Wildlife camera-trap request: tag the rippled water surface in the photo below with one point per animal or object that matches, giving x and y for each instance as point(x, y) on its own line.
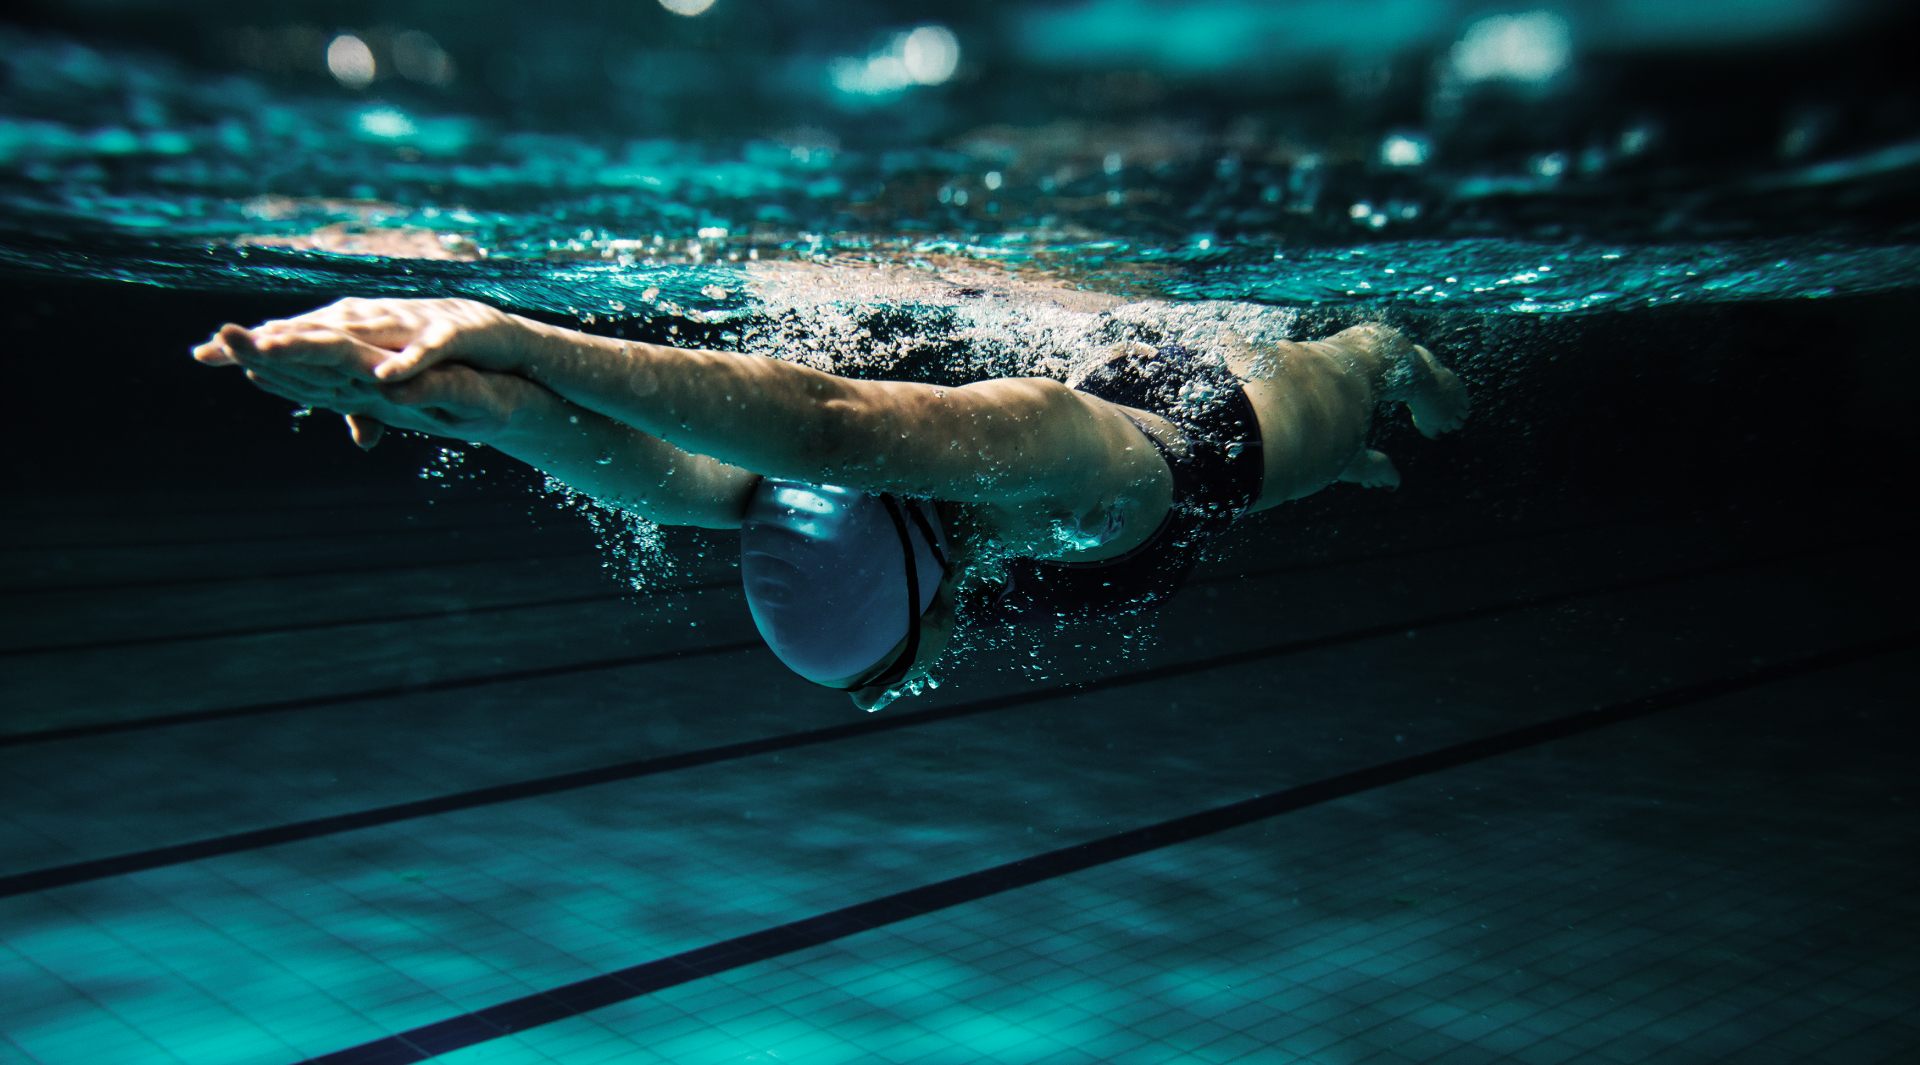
point(118, 165)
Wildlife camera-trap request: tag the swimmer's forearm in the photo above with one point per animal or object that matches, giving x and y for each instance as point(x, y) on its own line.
point(616, 464)
point(665, 391)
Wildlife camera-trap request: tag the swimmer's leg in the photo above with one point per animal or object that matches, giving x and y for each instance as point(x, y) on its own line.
point(1372, 469)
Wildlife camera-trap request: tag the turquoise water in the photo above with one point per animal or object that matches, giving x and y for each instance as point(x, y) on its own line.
point(124, 165)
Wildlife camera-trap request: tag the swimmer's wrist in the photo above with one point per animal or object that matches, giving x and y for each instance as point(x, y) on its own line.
point(569, 361)
point(533, 350)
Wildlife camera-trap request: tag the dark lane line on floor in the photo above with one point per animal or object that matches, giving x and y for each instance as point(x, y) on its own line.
point(190, 717)
point(313, 626)
point(138, 861)
point(1325, 563)
point(275, 575)
point(583, 996)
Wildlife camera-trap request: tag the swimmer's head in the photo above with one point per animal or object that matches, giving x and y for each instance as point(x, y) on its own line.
point(827, 572)
point(936, 628)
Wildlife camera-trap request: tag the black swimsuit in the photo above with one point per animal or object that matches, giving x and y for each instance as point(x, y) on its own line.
point(1215, 482)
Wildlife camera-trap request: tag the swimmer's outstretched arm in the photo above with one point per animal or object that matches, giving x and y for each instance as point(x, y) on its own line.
point(1004, 441)
point(589, 452)
point(1031, 448)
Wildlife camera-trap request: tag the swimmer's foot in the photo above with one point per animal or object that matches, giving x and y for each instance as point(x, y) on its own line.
point(1435, 395)
point(1372, 469)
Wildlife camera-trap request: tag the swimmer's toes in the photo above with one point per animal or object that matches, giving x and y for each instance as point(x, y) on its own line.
point(1372, 469)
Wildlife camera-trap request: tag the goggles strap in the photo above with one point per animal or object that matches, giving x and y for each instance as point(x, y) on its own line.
point(893, 674)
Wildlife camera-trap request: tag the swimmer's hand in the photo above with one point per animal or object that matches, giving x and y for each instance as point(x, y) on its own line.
point(417, 334)
point(464, 402)
point(316, 366)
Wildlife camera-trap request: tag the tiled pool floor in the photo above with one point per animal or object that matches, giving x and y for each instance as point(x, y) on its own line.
point(329, 780)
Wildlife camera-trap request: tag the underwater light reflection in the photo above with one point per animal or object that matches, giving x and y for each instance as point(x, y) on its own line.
point(926, 55)
point(350, 61)
point(1530, 47)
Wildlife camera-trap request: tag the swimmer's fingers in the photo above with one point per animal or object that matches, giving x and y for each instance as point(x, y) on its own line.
point(347, 397)
point(297, 391)
point(434, 344)
point(384, 323)
point(217, 350)
point(305, 343)
point(316, 379)
point(366, 431)
point(368, 415)
point(231, 345)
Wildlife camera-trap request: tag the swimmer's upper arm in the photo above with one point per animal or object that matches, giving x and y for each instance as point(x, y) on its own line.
point(1006, 441)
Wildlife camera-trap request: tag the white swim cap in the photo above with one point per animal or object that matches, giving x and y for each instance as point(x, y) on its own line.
point(825, 571)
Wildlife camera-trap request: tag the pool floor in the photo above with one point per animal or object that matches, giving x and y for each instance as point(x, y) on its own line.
point(351, 774)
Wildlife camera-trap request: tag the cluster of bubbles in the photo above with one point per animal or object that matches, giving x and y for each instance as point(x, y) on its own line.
point(632, 548)
point(962, 326)
point(446, 466)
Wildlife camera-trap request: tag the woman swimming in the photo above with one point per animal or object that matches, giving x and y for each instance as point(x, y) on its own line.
point(866, 506)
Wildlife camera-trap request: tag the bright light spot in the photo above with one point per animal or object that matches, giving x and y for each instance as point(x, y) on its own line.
point(1405, 149)
point(1635, 140)
point(418, 57)
point(1112, 163)
point(927, 56)
point(712, 232)
point(1360, 210)
point(874, 76)
point(931, 54)
point(1550, 165)
point(802, 499)
point(350, 61)
point(1529, 47)
point(387, 124)
point(689, 8)
point(959, 197)
point(993, 179)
